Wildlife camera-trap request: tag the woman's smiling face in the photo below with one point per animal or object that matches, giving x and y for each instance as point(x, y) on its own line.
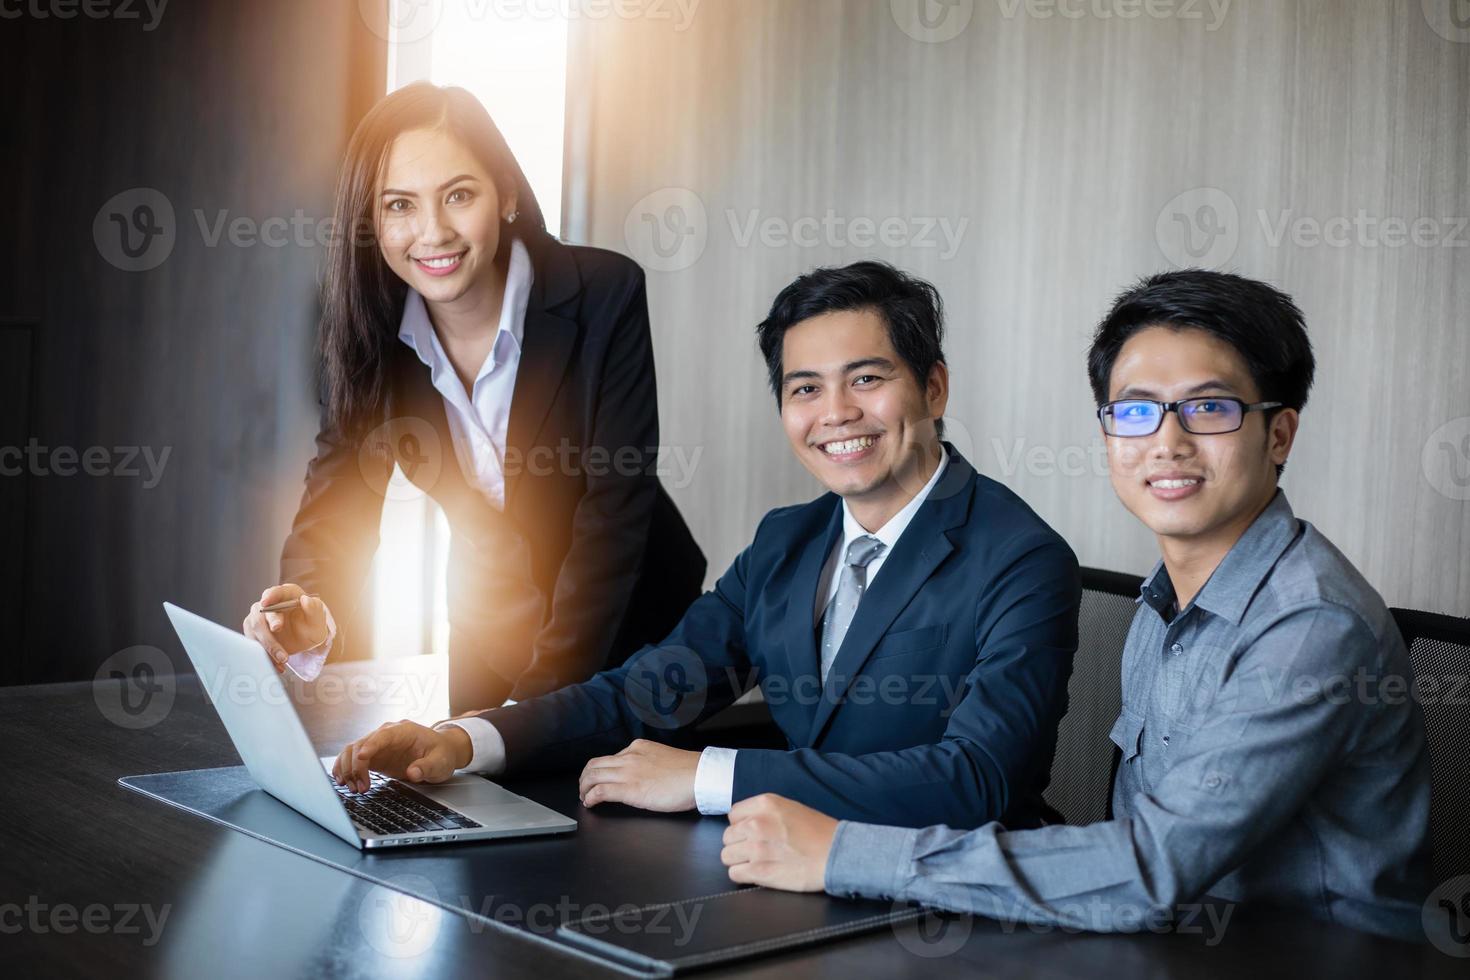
point(438, 216)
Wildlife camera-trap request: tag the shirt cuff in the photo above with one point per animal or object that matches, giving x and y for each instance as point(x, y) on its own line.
point(714, 781)
point(868, 861)
point(308, 664)
point(487, 747)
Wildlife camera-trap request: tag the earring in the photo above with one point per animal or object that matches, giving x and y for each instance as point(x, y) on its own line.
point(510, 219)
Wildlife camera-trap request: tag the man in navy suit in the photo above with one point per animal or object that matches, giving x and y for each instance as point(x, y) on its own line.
point(912, 630)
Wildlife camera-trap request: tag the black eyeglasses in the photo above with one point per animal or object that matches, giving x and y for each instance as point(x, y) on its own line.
point(1211, 415)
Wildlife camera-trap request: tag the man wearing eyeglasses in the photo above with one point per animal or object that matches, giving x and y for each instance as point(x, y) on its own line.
point(1270, 751)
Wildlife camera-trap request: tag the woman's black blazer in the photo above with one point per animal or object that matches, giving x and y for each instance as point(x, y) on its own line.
point(589, 560)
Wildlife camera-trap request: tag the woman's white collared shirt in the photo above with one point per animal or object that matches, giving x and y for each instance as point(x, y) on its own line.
point(479, 418)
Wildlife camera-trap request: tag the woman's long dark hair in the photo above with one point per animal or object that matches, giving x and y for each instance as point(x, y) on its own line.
point(362, 298)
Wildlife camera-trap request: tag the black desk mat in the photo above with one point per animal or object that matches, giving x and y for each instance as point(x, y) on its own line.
point(617, 859)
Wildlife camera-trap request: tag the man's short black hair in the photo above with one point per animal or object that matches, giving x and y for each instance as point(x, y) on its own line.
point(1260, 322)
point(910, 307)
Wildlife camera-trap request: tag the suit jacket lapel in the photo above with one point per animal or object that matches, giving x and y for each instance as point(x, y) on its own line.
point(546, 347)
point(547, 343)
point(801, 602)
point(919, 551)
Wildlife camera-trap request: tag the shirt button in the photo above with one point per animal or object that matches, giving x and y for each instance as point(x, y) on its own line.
point(1177, 648)
point(1166, 740)
point(1212, 781)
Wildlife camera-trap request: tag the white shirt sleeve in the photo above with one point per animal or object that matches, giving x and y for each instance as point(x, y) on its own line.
point(714, 781)
point(487, 747)
point(308, 664)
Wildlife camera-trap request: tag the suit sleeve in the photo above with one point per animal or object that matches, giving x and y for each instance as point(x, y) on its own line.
point(1002, 729)
point(611, 524)
point(335, 532)
point(658, 694)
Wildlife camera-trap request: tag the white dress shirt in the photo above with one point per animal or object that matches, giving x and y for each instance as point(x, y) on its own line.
point(714, 779)
point(478, 419)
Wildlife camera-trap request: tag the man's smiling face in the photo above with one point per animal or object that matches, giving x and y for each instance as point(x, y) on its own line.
point(854, 412)
point(1180, 484)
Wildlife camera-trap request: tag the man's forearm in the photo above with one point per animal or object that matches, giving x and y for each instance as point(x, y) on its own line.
point(1078, 877)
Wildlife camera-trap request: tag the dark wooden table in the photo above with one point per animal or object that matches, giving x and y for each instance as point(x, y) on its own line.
point(86, 862)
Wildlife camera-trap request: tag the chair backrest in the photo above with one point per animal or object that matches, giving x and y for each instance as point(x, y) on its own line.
point(1082, 770)
point(1439, 650)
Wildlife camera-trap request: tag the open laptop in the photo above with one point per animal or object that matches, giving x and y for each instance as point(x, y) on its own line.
point(278, 755)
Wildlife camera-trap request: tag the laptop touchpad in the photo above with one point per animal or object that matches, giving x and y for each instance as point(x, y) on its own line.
point(473, 792)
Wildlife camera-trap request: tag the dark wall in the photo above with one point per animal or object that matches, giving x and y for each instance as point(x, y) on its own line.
point(186, 388)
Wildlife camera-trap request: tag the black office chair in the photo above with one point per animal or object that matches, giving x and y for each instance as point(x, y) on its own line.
point(1082, 771)
point(1439, 649)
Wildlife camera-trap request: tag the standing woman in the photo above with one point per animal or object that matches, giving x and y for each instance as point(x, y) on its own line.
point(511, 378)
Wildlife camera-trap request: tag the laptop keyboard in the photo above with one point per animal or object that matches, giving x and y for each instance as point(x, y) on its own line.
point(389, 807)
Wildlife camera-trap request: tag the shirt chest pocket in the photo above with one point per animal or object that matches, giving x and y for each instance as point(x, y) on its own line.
point(1127, 734)
point(910, 641)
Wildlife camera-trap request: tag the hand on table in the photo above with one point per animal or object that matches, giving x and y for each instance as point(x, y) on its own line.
point(646, 774)
point(778, 843)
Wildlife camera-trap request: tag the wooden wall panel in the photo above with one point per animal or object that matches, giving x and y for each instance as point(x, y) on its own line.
point(1057, 150)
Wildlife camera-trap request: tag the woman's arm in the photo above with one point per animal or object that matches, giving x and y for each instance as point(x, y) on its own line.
point(335, 532)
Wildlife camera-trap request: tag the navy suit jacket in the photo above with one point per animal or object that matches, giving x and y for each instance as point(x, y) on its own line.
point(941, 706)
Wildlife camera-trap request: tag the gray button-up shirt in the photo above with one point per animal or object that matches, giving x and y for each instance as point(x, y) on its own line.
point(1272, 753)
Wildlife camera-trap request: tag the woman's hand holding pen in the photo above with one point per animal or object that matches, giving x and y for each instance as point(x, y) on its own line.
point(287, 620)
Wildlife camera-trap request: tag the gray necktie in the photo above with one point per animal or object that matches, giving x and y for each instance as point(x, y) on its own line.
point(839, 612)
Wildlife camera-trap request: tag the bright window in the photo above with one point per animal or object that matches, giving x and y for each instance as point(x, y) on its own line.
point(512, 57)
